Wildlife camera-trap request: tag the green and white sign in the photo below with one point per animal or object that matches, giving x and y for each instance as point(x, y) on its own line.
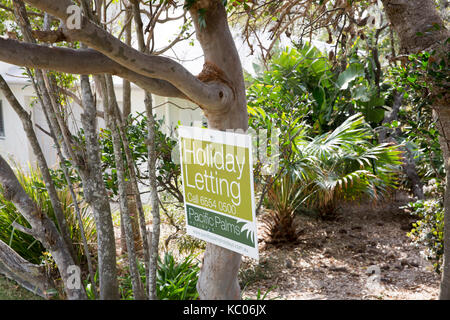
point(217, 173)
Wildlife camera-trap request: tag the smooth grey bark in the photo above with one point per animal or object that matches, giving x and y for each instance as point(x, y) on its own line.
point(419, 26)
point(97, 197)
point(111, 116)
point(42, 228)
point(32, 277)
point(219, 272)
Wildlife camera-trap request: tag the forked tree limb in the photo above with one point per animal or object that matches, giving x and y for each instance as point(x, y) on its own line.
point(212, 95)
point(30, 276)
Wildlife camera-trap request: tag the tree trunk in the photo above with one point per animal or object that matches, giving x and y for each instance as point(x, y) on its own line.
point(443, 120)
point(219, 271)
point(49, 106)
point(126, 111)
point(96, 196)
point(32, 277)
point(409, 167)
point(152, 247)
point(443, 6)
point(414, 22)
point(156, 221)
point(420, 27)
point(76, 206)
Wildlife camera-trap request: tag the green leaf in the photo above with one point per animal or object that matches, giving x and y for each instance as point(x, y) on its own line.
point(353, 71)
point(361, 94)
point(319, 96)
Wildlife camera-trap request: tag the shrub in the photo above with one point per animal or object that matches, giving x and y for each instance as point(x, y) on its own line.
point(285, 196)
point(177, 280)
point(174, 280)
point(429, 228)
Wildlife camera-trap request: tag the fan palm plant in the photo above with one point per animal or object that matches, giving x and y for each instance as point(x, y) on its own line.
point(286, 195)
point(345, 165)
point(328, 169)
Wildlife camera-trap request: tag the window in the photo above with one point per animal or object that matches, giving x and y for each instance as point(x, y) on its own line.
point(2, 124)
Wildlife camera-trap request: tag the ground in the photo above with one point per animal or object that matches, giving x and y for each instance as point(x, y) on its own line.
point(364, 254)
point(10, 290)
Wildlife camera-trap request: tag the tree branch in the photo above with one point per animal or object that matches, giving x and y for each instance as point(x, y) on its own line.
point(81, 61)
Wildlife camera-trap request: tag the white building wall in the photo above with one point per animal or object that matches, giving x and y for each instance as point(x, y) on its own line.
point(14, 146)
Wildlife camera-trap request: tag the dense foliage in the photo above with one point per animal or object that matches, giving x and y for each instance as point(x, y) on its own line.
point(328, 150)
point(416, 127)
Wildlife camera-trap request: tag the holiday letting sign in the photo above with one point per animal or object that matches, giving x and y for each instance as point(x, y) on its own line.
point(217, 173)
